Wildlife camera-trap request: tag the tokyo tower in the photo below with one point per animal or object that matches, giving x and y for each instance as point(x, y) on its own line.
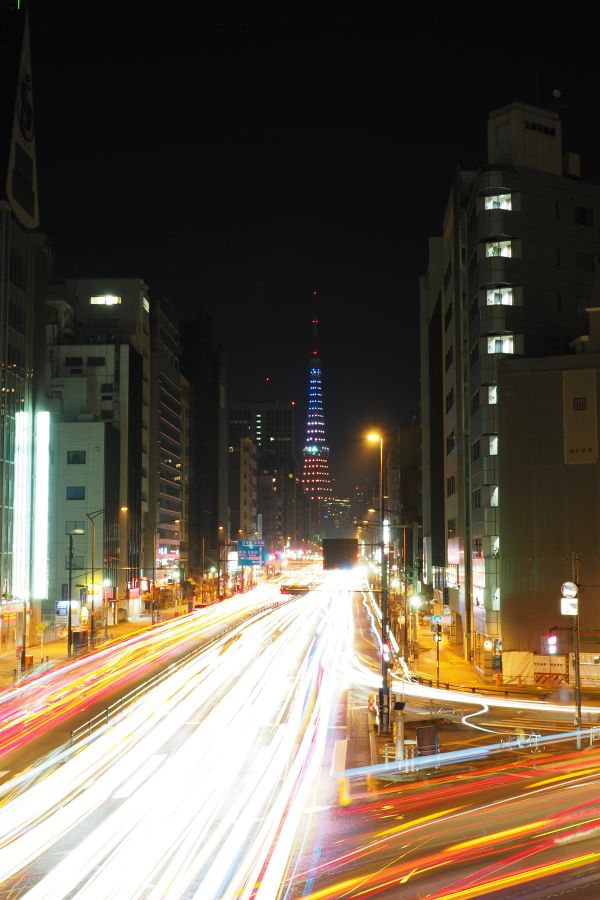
point(316, 479)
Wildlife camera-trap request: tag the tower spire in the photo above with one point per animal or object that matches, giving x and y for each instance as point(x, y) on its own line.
point(315, 470)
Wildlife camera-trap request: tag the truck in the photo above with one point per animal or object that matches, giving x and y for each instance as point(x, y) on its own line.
point(340, 553)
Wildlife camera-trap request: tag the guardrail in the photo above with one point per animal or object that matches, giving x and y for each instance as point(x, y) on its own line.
point(103, 717)
point(477, 689)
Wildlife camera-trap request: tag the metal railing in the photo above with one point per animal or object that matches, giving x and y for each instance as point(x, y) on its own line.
point(103, 717)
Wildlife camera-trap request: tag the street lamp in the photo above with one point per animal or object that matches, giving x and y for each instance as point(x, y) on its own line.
point(69, 619)
point(219, 536)
point(384, 717)
point(154, 526)
point(92, 517)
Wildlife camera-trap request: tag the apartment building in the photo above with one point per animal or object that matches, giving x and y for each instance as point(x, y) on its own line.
point(510, 277)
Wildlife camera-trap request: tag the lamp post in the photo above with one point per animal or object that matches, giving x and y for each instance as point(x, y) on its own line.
point(221, 533)
point(384, 716)
point(154, 526)
point(69, 617)
point(570, 607)
point(92, 517)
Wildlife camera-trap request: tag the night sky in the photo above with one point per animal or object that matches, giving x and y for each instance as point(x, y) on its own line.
point(239, 165)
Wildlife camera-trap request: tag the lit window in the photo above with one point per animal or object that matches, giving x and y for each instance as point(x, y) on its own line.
point(105, 300)
point(498, 201)
point(493, 445)
point(498, 248)
point(492, 394)
point(494, 496)
point(500, 296)
point(501, 344)
point(496, 600)
point(145, 304)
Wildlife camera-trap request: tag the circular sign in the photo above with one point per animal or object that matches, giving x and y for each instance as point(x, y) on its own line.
point(569, 589)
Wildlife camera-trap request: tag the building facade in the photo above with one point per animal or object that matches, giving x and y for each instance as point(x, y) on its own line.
point(24, 436)
point(510, 277)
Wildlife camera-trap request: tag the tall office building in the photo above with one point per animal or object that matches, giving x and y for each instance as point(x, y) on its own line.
point(164, 521)
point(510, 278)
point(98, 363)
point(243, 489)
point(204, 365)
point(25, 428)
point(271, 428)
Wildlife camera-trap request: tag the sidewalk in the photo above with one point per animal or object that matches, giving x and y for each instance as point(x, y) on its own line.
point(55, 652)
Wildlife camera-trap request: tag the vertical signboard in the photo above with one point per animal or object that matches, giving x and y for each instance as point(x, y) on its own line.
point(580, 417)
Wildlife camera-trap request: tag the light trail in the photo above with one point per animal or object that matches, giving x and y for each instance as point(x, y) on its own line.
point(198, 789)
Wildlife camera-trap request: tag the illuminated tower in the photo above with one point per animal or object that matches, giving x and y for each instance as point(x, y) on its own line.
point(315, 470)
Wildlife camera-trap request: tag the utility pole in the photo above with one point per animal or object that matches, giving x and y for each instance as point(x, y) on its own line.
point(69, 622)
point(575, 575)
point(405, 590)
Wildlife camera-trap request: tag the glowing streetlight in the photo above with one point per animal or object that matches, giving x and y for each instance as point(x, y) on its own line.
point(384, 717)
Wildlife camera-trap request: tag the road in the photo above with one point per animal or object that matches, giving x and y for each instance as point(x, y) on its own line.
point(219, 782)
point(198, 788)
point(38, 714)
point(511, 829)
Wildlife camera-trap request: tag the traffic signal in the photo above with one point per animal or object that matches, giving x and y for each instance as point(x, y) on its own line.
point(438, 634)
point(386, 652)
point(551, 642)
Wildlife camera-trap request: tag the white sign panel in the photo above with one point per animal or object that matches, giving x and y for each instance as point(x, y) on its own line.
point(568, 606)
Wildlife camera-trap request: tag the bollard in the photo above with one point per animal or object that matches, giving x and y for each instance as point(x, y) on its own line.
point(344, 791)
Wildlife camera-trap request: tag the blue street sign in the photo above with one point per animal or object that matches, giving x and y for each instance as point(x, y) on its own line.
point(251, 553)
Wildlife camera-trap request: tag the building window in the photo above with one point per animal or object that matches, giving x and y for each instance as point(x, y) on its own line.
point(498, 201)
point(492, 394)
point(106, 415)
point(477, 499)
point(500, 296)
point(450, 442)
point(76, 457)
point(584, 216)
point(451, 528)
point(494, 496)
point(96, 361)
point(493, 445)
point(450, 485)
point(105, 300)
point(474, 355)
point(477, 548)
point(537, 126)
point(501, 344)
point(449, 357)
point(74, 527)
point(448, 315)
point(475, 402)
point(450, 399)
point(498, 248)
point(76, 493)
point(473, 310)
point(73, 361)
point(473, 262)
point(107, 388)
point(475, 451)
point(579, 404)
point(584, 261)
point(448, 275)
